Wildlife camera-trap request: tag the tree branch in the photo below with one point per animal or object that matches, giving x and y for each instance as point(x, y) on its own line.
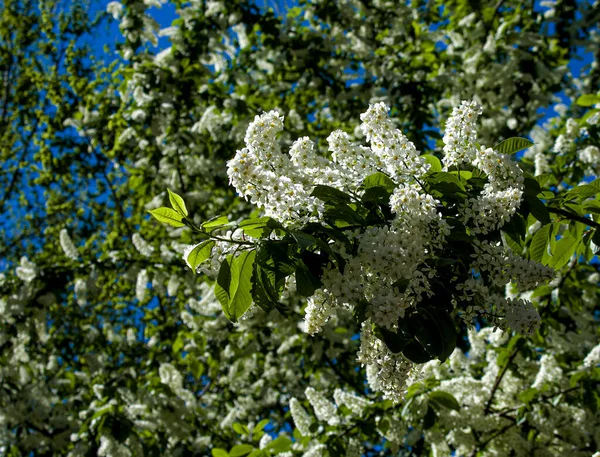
point(574, 217)
point(498, 380)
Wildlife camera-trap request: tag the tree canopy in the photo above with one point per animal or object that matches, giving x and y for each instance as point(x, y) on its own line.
point(313, 228)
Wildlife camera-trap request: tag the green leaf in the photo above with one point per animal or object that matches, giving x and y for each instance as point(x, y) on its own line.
point(378, 180)
point(330, 194)
point(178, 344)
point(532, 187)
point(512, 145)
point(446, 184)
point(538, 209)
point(582, 192)
point(433, 161)
point(223, 283)
point(262, 424)
point(341, 216)
point(218, 452)
point(240, 428)
point(240, 449)
point(416, 353)
point(264, 291)
point(168, 216)
point(513, 234)
point(539, 243)
point(215, 222)
point(595, 183)
point(562, 252)
point(177, 203)
point(441, 338)
point(258, 227)
point(588, 100)
point(280, 444)
point(304, 240)
point(306, 282)
point(257, 453)
point(444, 399)
point(395, 341)
point(528, 395)
point(199, 254)
point(596, 241)
point(429, 419)
point(240, 285)
point(379, 195)
point(591, 207)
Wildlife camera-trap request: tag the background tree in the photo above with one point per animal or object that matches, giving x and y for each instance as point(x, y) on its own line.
point(111, 346)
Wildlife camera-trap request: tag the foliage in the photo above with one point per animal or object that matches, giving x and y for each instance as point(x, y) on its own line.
point(109, 345)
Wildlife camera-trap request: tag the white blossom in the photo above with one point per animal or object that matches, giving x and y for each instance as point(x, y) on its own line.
point(66, 243)
point(26, 271)
point(141, 285)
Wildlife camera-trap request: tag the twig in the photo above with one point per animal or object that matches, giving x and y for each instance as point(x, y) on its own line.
point(574, 217)
point(498, 380)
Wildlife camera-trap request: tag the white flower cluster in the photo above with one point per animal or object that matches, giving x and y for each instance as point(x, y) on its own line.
point(141, 245)
point(324, 409)
point(388, 271)
point(301, 418)
point(565, 141)
point(67, 245)
point(590, 155)
point(501, 195)
point(460, 137)
point(281, 184)
point(500, 268)
point(392, 372)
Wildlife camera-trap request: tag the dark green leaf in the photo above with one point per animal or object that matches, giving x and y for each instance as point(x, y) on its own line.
point(416, 353)
point(538, 209)
point(342, 215)
point(596, 241)
point(539, 243)
point(429, 419)
point(441, 339)
point(306, 282)
point(446, 185)
point(330, 194)
point(304, 240)
point(444, 399)
point(528, 395)
point(532, 187)
point(396, 342)
point(223, 283)
point(264, 291)
point(379, 195)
